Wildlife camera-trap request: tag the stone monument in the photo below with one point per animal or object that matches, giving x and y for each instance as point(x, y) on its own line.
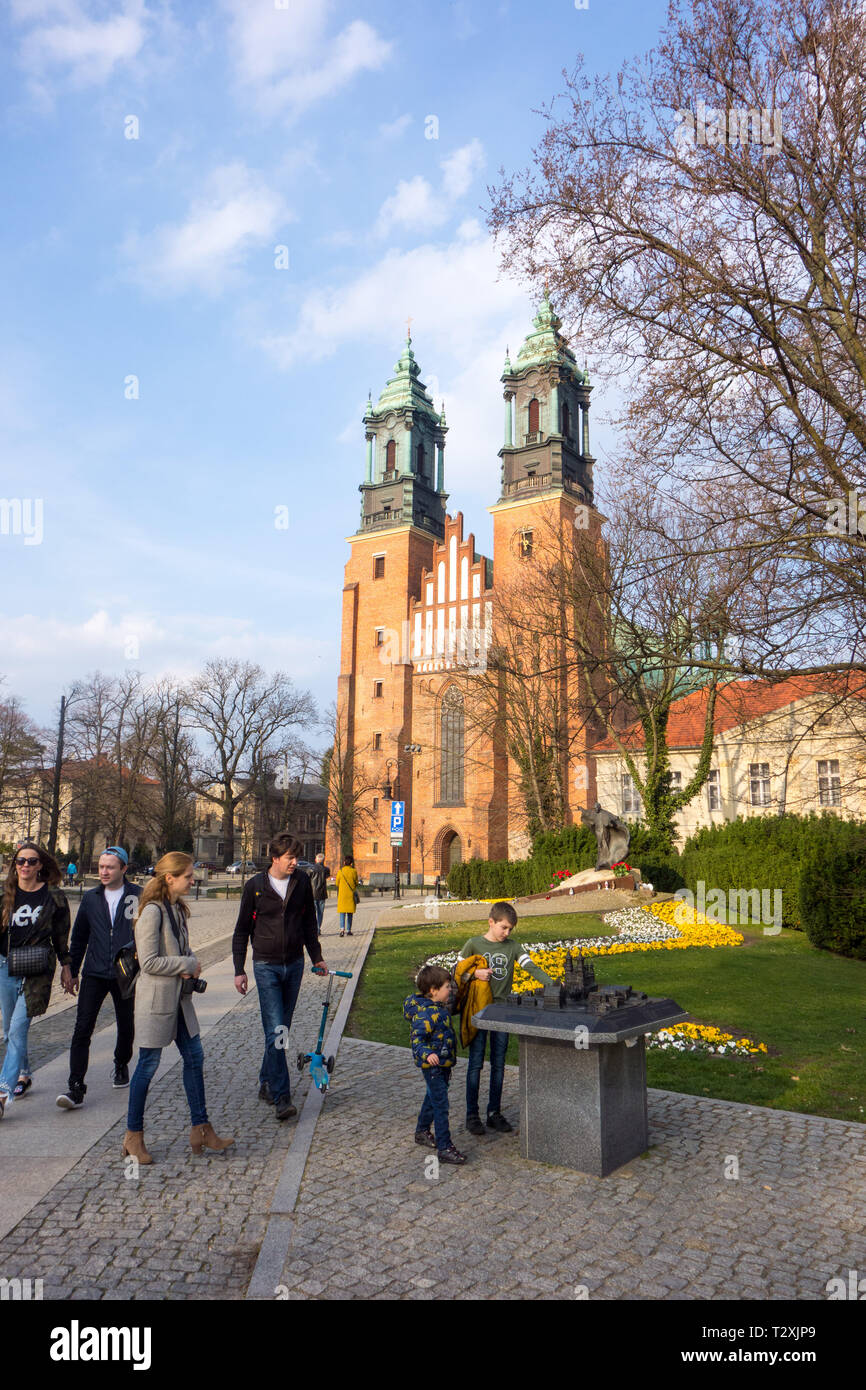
point(612, 836)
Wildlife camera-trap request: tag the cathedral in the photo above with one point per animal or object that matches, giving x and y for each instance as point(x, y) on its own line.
point(420, 613)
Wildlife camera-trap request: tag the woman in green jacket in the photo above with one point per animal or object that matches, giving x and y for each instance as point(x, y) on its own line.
point(347, 894)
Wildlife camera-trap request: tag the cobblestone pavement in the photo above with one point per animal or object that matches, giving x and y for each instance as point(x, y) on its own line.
point(186, 1227)
point(211, 927)
point(369, 1223)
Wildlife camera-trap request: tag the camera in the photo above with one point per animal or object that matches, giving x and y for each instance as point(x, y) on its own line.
point(193, 986)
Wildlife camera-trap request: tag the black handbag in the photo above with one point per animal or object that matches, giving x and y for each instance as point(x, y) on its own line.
point(126, 969)
point(28, 960)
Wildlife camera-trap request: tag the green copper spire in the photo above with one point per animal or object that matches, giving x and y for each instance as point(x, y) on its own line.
point(405, 390)
point(546, 344)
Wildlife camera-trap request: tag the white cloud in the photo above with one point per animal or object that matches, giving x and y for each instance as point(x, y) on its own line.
point(415, 204)
point(66, 39)
point(235, 214)
point(392, 130)
point(288, 57)
point(459, 169)
point(43, 654)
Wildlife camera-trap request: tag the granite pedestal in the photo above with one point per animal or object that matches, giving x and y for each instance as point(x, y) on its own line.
point(583, 1098)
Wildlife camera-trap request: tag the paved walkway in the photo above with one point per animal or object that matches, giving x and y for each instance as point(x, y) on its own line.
point(372, 1218)
point(373, 1222)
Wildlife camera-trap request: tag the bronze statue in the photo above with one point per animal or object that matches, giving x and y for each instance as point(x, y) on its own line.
point(612, 834)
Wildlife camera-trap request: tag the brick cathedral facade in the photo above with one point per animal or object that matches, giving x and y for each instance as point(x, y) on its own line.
point(420, 612)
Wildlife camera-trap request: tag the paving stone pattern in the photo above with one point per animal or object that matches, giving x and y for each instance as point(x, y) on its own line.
point(370, 1224)
point(186, 1227)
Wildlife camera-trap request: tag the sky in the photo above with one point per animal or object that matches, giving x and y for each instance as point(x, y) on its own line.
point(218, 218)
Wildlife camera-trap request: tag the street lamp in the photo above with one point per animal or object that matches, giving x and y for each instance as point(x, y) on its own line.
point(387, 795)
point(411, 749)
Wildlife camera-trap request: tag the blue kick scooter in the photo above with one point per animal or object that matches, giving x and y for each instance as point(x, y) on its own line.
point(321, 1066)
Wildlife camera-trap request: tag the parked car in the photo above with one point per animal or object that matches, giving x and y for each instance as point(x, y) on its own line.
point(206, 864)
point(242, 866)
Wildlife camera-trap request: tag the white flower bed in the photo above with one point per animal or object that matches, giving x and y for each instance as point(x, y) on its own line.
point(638, 924)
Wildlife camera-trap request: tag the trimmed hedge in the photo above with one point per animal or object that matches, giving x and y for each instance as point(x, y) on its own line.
point(832, 893)
point(764, 852)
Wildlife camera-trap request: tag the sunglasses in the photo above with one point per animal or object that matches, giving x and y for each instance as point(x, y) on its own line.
point(31, 862)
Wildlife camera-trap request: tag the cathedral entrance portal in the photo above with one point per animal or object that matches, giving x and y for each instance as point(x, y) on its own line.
point(450, 850)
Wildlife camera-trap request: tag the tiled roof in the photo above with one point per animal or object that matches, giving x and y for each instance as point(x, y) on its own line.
point(738, 702)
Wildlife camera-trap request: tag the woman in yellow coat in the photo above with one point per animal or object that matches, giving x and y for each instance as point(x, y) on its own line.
point(347, 889)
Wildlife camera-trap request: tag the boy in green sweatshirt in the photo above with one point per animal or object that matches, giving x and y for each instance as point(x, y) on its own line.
point(501, 954)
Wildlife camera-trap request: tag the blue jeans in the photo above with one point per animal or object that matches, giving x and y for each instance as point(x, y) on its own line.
point(498, 1049)
point(16, 1026)
point(278, 986)
point(346, 920)
point(192, 1053)
point(435, 1107)
point(320, 912)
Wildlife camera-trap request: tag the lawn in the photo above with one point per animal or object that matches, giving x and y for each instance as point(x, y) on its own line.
point(806, 1005)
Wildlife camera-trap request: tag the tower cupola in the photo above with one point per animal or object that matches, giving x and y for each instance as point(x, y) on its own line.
point(405, 474)
point(546, 444)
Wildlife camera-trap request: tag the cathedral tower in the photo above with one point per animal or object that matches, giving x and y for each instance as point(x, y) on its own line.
point(402, 518)
point(546, 499)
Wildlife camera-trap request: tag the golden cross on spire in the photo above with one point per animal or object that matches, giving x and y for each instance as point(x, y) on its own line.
point(409, 328)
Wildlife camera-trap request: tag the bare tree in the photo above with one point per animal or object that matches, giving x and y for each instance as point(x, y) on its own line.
point(21, 752)
point(239, 712)
point(170, 748)
point(352, 785)
point(702, 217)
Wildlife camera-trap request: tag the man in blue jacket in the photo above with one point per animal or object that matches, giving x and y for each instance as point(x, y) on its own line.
point(103, 926)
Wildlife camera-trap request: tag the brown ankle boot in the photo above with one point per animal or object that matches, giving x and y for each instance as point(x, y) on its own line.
point(133, 1146)
point(203, 1137)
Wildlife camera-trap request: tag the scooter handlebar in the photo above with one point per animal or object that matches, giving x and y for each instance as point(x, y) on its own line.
point(346, 974)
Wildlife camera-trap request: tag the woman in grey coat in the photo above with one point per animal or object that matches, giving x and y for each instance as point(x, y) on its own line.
point(164, 1011)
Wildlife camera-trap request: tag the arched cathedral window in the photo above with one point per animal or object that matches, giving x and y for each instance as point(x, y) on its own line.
point(451, 748)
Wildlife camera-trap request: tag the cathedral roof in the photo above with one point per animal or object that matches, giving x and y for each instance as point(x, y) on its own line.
point(546, 344)
point(405, 390)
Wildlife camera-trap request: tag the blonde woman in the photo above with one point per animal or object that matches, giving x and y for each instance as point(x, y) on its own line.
point(34, 913)
point(164, 1011)
point(347, 894)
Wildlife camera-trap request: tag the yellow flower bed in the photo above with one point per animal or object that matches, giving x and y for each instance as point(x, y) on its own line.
point(701, 1037)
point(695, 928)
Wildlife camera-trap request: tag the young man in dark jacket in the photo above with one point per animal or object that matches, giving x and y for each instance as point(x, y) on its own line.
point(103, 927)
point(278, 914)
point(319, 875)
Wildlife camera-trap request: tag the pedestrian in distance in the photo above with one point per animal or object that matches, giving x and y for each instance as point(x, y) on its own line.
point(319, 875)
point(347, 894)
point(167, 980)
point(103, 927)
point(434, 1049)
point(501, 955)
point(71, 871)
point(277, 914)
point(34, 935)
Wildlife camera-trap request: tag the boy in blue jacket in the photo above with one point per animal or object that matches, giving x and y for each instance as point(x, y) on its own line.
point(434, 1048)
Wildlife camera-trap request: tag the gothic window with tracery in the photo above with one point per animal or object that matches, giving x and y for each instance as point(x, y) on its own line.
point(451, 745)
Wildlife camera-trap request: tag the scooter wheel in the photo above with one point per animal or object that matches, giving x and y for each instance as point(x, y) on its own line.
point(330, 1064)
point(302, 1059)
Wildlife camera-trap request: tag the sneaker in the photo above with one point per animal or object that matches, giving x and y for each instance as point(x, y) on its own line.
point(451, 1155)
point(497, 1121)
point(121, 1078)
point(423, 1136)
point(285, 1109)
point(23, 1085)
point(474, 1125)
point(72, 1099)
point(265, 1093)
point(3, 1100)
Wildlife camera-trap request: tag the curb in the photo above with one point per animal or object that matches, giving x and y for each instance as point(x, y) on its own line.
point(278, 1234)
